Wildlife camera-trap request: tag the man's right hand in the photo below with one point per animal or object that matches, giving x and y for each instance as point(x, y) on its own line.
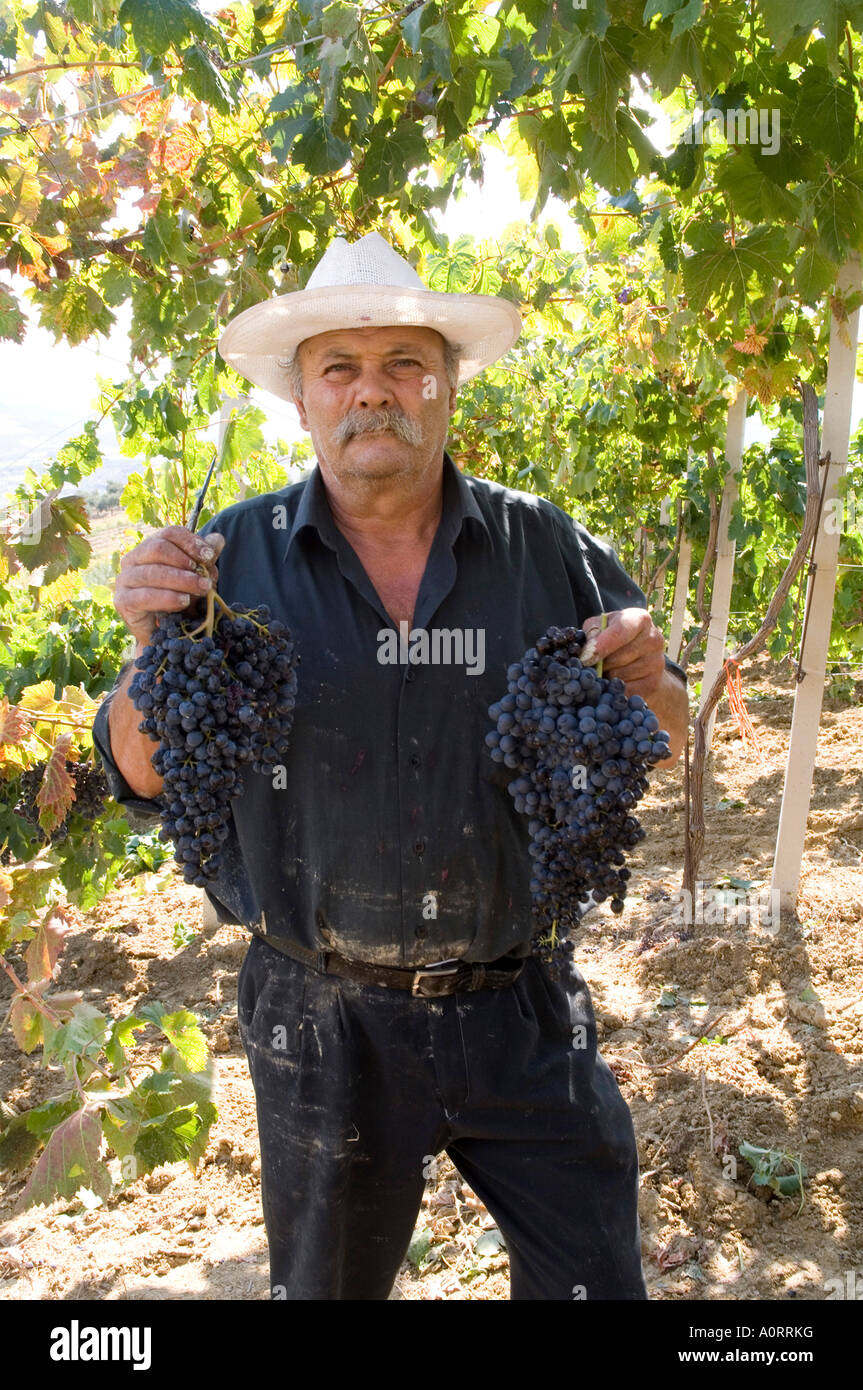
point(159, 576)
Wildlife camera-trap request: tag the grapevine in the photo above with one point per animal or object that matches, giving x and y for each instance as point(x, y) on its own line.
point(90, 795)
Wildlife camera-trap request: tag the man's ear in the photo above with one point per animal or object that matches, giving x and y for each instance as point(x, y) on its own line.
point(301, 411)
point(453, 396)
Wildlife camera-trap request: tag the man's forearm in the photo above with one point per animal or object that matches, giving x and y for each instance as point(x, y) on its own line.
point(670, 704)
point(131, 749)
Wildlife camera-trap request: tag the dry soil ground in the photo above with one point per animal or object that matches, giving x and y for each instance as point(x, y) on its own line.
point(718, 1033)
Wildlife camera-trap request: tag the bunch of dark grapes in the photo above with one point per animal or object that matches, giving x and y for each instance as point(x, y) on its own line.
point(560, 725)
point(213, 704)
point(91, 792)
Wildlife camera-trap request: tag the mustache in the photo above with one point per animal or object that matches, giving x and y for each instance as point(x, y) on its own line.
point(358, 422)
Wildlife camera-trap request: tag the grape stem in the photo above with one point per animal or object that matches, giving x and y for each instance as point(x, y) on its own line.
point(603, 626)
point(207, 625)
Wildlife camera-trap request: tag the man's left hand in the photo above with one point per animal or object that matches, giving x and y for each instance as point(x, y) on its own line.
point(631, 647)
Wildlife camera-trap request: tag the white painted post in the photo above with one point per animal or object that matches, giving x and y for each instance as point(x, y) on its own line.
point(723, 573)
point(681, 594)
point(657, 597)
point(803, 744)
point(657, 602)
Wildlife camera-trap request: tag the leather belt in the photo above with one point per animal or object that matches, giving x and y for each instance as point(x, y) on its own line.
point(426, 982)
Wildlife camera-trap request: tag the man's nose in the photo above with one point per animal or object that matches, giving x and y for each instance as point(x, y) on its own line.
point(371, 387)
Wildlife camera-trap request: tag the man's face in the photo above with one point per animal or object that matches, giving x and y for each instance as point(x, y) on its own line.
point(376, 401)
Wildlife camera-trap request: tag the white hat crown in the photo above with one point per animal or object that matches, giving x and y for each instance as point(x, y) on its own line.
point(369, 261)
point(360, 285)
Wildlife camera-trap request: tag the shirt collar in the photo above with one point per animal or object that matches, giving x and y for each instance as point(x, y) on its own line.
point(314, 509)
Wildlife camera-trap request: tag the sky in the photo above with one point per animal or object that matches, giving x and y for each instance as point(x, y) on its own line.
point(48, 389)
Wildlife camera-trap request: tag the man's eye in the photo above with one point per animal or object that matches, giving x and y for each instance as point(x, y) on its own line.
point(406, 362)
point(338, 366)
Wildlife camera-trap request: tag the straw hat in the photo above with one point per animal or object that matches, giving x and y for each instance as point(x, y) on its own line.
point(361, 285)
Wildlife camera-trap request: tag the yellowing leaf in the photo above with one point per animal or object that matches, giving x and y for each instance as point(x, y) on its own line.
point(14, 724)
point(75, 697)
point(20, 196)
point(37, 697)
point(26, 1023)
point(752, 341)
point(53, 244)
point(25, 899)
point(57, 791)
point(183, 1030)
point(59, 593)
point(44, 950)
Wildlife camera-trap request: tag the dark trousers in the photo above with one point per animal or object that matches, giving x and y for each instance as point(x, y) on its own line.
point(358, 1087)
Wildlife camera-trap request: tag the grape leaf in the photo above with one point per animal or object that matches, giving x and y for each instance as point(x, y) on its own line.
point(601, 72)
point(13, 324)
point(42, 1119)
point(18, 1145)
point(44, 950)
point(122, 1036)
point(14, 724)
point(70, 1160)
point(813, 275)
point(74, 310)
point(720, 273)
point(167, 1138)
point(121, 1123)
point(339, 21)
point(65, 1001)
point(20, 196)
point(205, 81)
point(82, 1035)
point(838, 209)
point(57, 790)
point(753, 195)
point(26, 1023)
point(37, 697)
point(782, 19)
point(208, 1114)
point(54, 536)
point(158, 24)
point(183, 1030)
point(824, 114)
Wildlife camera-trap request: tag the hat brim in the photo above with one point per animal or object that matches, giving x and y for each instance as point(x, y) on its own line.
point(482, 326)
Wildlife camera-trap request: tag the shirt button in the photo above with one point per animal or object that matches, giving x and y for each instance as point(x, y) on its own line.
point(420, 932)
point(410, 675)
point(419, 848)
point(414, 760)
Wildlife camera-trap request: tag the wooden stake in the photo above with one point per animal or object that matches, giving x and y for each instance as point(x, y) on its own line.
point(819, 602)
point(681, 582)
point(711, 697)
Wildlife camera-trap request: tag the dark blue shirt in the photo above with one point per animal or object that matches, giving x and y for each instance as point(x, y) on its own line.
point(390, 835)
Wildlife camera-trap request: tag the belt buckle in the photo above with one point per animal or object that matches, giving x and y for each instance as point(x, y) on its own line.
point(439, 969)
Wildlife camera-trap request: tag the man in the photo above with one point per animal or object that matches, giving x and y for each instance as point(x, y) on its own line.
point(388, 1004)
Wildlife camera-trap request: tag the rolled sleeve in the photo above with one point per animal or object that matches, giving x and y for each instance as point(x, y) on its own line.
point(616, 588)
point(138, 806)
